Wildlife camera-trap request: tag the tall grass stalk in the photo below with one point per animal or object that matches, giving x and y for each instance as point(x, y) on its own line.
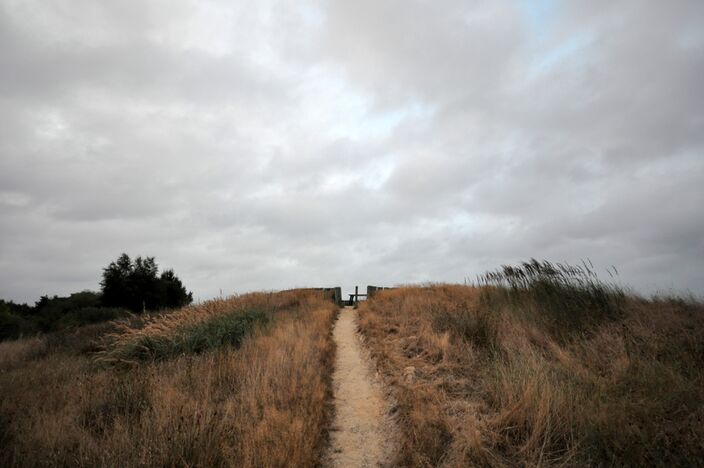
point(566, 299)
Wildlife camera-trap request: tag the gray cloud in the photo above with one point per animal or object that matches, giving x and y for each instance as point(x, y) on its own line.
point(276, 145)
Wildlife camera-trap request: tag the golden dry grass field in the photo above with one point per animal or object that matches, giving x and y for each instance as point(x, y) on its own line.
point(536, 367)
point(161, 393)
point(481, 380)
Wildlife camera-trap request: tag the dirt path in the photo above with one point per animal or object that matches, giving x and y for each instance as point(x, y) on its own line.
point(361, 431)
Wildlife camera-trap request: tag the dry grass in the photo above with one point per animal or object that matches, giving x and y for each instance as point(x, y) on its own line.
point(485, 381)
point(197, 328)
point(260, 403)
point(14, 353)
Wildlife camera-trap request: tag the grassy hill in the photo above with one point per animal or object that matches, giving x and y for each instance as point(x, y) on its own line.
point(549, 369)
point(537, 365)
point(241, 381)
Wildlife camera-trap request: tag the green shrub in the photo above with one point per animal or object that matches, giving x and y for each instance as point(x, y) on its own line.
point(226, 330)
point(56, 314)
point(221, 331)
point(12, 325)
point(89, 315)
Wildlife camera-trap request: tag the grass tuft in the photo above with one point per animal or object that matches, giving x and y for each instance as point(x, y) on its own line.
point(564, 299)
point(474, 325)
point(224, 330)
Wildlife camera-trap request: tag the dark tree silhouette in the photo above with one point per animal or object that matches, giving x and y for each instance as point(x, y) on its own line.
point(115, 285)
point(136, 285)
point(175, 294)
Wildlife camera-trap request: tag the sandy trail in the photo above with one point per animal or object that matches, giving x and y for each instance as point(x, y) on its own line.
point(361, 430)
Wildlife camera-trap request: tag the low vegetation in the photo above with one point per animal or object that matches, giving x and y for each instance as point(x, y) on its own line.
point(541, 365)
point(236, 382)
point(53, 314)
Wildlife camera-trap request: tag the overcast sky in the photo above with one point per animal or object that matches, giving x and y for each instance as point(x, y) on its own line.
point(270, 144)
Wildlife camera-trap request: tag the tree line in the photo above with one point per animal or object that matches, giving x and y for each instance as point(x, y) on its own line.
point(127, 286)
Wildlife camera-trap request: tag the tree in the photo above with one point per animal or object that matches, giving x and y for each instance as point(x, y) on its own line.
point(13, 320)
point(115, 284)
point(145, 285)
point(135, 285)
point(175, 293)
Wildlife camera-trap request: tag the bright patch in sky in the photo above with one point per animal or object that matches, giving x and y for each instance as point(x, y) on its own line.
point(541, 16)
point(574, 51)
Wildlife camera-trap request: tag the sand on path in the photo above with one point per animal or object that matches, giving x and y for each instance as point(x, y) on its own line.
point(362, 430)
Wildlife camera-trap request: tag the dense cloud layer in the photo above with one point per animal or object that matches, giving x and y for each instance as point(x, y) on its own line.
point(271, 145)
